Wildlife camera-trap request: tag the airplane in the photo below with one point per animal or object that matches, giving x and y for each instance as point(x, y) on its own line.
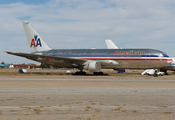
point(92, 60)
point(5, 65)
point(111, 45)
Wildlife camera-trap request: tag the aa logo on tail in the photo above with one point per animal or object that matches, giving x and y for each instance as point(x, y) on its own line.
point(36, 41)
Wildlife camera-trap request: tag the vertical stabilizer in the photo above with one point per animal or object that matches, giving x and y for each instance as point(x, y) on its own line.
point(36, 43)
point(110, 44)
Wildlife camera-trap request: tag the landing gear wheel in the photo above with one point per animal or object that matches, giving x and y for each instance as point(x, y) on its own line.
point(166, 73)
point(80, 73)
point(98, 73)
point(155, 75)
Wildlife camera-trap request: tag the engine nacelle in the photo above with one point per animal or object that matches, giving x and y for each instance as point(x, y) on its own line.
point(93, 66)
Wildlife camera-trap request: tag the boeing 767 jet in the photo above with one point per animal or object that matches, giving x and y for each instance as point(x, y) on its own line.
point(91, 59)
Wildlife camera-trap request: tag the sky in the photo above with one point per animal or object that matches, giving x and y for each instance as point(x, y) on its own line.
point(85, 24)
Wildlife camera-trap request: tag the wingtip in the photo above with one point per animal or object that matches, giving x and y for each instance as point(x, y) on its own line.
point(6, 51)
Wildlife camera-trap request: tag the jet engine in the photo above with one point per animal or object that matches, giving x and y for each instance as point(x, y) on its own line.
point(93, 66)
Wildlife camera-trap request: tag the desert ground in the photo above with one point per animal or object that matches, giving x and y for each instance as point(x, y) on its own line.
point(54, 95)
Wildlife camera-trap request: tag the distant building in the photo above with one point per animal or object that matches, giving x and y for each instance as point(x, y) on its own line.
point(19, 66)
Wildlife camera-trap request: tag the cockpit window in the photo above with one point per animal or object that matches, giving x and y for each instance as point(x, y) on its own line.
point(160, 55)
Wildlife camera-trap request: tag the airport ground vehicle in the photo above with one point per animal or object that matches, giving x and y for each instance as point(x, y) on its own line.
point(153, 72)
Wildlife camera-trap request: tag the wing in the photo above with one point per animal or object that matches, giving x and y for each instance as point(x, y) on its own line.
point(53, 60)
point(61, 61)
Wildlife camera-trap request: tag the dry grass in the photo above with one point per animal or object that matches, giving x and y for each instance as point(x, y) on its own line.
point(8, 71)
point(88, 107)
point(93, 103)
point(58, 110)
point(89, 119)
point(163, 106)
point(26, 113)
point(124, 110)
point(117, 109)
point(79, 118)
point(2, 100)
point(33, 107)
point(37, 111)
point(77, 102)
point(85, 110)
point(9, 99)
point(97, 111)
point(167, 113)
point(12, 110)
point(134, 111)
point(69, 109)
point(73, 103)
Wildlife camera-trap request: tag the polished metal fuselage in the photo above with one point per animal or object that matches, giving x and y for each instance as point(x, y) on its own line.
point(127, 58)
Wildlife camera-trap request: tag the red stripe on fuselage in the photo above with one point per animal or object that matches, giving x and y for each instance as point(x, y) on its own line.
point(152, 59)
point(49, 58)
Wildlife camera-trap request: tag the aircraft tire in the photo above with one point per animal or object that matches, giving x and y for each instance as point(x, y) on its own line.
point(166, 73)
point(155, 75)
point(98, 73)
point(80, 73)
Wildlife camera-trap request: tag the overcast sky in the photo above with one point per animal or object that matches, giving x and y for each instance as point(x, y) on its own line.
point(65, 24)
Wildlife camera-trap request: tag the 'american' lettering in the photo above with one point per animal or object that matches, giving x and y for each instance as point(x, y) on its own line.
point(132, 52)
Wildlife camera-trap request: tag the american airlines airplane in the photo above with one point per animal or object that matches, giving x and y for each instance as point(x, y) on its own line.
point(91, 59)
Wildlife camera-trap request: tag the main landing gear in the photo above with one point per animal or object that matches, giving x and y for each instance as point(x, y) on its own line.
point(80, 73)
point(98, 73)
point(165, 72)
point(84, 73)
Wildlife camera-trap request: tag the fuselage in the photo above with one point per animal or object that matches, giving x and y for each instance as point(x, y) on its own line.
point(127, 58)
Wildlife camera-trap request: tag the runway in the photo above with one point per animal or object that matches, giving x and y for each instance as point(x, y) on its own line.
point(86, 99)
point(67, 82)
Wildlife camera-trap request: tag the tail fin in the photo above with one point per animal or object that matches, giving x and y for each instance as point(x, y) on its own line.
point(36, 44)
point(110, 44)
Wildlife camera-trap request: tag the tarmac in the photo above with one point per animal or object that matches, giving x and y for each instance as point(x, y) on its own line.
point(87, 98)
